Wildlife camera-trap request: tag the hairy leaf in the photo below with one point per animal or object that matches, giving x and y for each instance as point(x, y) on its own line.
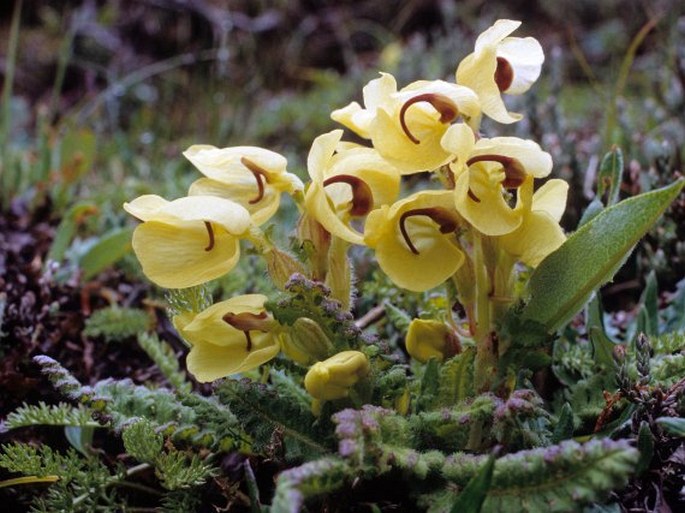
point(41, 414)
point(472, 497)
point(112, 247)
point(610, 175)
point(559, 478)
point(115, 323)
point(264, 413)
point(456, 378)
point(165, 358)
point(294, 486)
point(564, 281)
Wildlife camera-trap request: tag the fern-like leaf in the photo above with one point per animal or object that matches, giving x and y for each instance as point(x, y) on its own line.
point(456, 379)
point(115, 323)
point(176, 470)
point(264, 412)
point(164, 357)
point(562, 477)
point(186, 417)
point(296, 485)
point(41, 414)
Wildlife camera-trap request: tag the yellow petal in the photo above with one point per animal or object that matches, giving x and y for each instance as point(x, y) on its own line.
point(219, 349)
point(377, 92)
point(208, 362)
point(243, 193)
point(438, 254)
point(228, 214)
point(459, 140)
point(477, 71)
point(175, 255)
point(321, 153)
point(392, 142)
point(489, 213)
point(525, 56)
point(322, 209)
point(145, 207)
point(537, 237)
point(535, 161)
point(333, 378)
point(464, 98)
point(209, 326)
point(223, 164)
point(551, 198)
point(368, 165)
point(355, 118)
point(428, 338)
point(496, 33)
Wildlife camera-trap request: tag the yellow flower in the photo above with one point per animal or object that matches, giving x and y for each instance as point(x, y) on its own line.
point(406, 126)
point(501, 64)
point(230, 337)
point(485, 170)
point(346, 184)
point(414, 239)
point(539, 233)
point(333, 378)
point(427, 338)
point(253, 177)
point(187, 241)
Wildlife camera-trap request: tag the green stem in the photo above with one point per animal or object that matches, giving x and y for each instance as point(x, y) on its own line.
point(339, 276)
point(6, 116)
point(485, 365)
point(139, 487)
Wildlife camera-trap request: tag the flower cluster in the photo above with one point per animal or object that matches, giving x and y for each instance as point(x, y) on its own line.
point(477, 227)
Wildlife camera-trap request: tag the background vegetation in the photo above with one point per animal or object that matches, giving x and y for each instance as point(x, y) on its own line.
point(100, 98)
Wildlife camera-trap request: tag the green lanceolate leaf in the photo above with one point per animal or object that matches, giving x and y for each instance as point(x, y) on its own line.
point(611, 175)
point(673, 425)
point(108, 250)
point(645, 444)
point(648, 318)
point(602, 344)
point(80, 438)
point(564, 428)
point(67, 229)
point(564, 281)
point(472, 497)
point(591, 211)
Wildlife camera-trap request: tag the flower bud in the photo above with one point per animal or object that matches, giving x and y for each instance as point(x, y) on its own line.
point(305, 342)
point(427, 338)
point(311, 232)
point(281, 266)
point(333, 378)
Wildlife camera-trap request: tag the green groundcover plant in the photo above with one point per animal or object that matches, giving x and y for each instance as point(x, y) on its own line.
point(478, 394)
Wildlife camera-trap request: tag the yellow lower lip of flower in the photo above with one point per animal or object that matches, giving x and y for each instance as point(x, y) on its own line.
point(176, 256)
point(219, 348)
point(483, 204)
point(209, 362)
point(412, 251)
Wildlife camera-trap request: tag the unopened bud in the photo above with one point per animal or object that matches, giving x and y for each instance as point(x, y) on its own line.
point(333, 378)
point(428, 339)
point(317, 241)
point(281, 266)
point(305, 342)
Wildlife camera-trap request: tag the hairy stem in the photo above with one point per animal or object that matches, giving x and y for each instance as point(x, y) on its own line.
point(485, 365)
